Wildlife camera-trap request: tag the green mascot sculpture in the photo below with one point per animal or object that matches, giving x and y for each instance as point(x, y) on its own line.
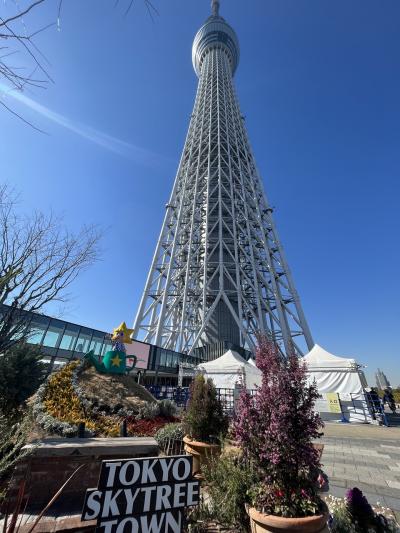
point(114, 361)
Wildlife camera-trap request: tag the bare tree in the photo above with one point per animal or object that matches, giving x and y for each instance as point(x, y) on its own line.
point(21, 62)
point(18, 41)
point(39, 259)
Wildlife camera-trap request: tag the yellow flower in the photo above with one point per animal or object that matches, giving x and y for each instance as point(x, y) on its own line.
point(61, 401)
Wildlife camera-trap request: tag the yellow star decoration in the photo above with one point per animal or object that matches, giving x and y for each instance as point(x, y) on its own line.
point(116, 361)
point(126, 331)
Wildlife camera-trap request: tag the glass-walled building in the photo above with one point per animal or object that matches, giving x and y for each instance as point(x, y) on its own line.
point(163, 368)
point(61, 341)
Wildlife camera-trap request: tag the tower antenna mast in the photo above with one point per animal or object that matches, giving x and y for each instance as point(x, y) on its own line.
point(215, 8)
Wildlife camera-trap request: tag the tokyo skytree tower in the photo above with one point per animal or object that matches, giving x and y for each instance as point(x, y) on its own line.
point(219, 271)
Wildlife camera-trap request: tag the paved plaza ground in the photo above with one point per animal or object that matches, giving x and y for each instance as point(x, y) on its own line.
point(364, 456)
point(354, 455)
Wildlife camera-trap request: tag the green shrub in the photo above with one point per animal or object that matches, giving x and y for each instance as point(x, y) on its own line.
point(149, 410)
point(228, 479)
point(20, 376)
point(167, 408)
point(14, 435)
point(204, 419)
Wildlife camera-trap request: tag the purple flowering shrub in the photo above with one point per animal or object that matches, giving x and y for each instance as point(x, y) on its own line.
point(362, 515)
point(275, 429)
point(359, 508)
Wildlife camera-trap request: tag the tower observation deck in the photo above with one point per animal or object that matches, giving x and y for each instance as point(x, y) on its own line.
point(219, 271)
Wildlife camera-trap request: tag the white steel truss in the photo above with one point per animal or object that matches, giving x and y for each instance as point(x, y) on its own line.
point(219, 271)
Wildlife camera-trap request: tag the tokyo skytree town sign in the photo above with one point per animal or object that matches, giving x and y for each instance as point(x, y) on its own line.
point(219, 272)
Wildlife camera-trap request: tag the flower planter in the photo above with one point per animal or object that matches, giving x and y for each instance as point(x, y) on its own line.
point(278, 524)
point(202, 453)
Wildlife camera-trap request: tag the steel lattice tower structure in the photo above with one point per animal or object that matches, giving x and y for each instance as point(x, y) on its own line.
point(219, 271)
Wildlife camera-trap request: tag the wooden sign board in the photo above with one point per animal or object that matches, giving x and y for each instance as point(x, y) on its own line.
point(146, 495)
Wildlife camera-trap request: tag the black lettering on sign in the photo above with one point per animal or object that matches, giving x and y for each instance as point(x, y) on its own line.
point(166, 522)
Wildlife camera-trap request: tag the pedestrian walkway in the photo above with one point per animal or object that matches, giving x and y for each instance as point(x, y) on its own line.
point(363, 456)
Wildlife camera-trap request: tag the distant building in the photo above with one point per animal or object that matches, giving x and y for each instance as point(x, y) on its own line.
point(363, 379)
point(382, 381)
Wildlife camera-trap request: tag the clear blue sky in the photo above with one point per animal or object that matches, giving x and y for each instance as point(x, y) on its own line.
point(319, 84)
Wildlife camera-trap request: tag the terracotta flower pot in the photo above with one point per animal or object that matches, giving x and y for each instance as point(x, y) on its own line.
point(278, 524)
point(202, 453)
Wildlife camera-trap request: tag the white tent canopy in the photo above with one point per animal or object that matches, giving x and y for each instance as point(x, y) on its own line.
point(320, 358)
point(229, 369)
point(333, 373)
point(340, 375)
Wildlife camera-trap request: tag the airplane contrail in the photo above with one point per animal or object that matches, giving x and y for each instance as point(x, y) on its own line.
point(109, 142)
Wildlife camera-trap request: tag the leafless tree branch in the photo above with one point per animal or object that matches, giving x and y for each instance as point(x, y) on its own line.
point(22, 13)
point(39, 259)
point(19, 41)
point(22, 118)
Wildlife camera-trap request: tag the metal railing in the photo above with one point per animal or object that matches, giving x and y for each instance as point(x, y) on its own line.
point(180, 395)
point(376, 408)
point(227, 397)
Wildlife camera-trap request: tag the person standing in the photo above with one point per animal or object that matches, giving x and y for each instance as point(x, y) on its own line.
point(389, 399)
